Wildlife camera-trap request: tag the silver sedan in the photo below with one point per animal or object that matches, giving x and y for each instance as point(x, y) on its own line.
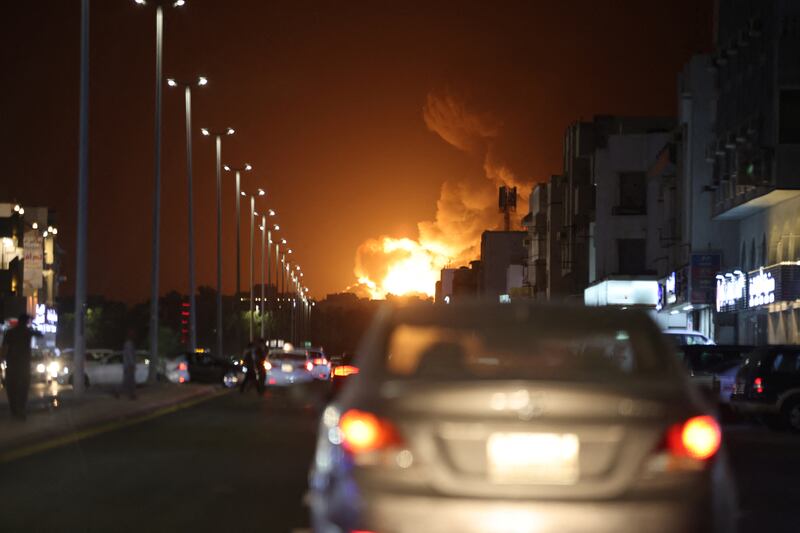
point(518, 418)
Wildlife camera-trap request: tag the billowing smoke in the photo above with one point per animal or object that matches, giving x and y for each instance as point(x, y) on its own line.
point(465, 209)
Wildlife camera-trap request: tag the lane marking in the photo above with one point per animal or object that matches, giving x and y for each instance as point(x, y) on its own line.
point(63, 440)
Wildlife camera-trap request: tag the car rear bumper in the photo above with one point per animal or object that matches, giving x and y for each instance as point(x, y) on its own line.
point(745, 407)
point(393, 513)
point(283, 380)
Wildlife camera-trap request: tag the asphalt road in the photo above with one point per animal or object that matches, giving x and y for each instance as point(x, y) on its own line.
point(239, 463)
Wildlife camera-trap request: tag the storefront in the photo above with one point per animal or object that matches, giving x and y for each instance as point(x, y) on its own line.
point(623, 292)
point(686, 295)
point(765, 303)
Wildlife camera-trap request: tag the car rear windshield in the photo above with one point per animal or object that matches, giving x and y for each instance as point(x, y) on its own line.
point(284, 356)
point(503, 352)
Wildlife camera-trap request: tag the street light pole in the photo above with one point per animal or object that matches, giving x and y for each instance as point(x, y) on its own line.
point(263, 272)
point(187, 91)
point(154, 292)
point(237, 172)
point(252, 262)
point(218, 146)
point(83, 195)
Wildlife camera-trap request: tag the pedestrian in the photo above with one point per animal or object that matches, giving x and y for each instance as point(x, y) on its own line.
point(17, 353)
point(250, 368)
point(260, 358)
point(129, 366)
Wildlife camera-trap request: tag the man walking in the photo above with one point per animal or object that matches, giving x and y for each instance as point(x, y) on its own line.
point(17, 352)
point(250, 366)
point(129, 366)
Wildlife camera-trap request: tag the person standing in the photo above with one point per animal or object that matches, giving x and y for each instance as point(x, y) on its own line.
point(260, 359)
point(17, 353)
point(250, 366)
point(129, 366)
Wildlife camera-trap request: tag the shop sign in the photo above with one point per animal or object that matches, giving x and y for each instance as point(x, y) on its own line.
point(46, 319)
point(703, 269)
point(672, 293)
point(776, 283)
point(731, 291)
point(33, 250)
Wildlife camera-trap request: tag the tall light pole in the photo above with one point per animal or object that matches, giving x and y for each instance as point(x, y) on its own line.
point(238, 173)
point(263, 271)
point(218, 142)
point(252, 257)
point(187, 92)
point(269, 255)
point(154, 292)
point(83, 195)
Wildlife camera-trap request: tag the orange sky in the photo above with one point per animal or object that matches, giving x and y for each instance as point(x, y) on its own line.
point(327, 99)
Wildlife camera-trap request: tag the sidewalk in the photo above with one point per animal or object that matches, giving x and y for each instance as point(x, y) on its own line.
point(55, 413)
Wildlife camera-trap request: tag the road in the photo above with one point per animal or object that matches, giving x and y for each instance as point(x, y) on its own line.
point(240, 463)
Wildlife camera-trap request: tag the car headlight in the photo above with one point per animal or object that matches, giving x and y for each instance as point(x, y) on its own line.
point(40, 368)
point(53, 367)
point(66, 370)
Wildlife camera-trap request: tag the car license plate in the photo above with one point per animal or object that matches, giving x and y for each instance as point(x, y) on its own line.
point(287, 368)
point(536, 458)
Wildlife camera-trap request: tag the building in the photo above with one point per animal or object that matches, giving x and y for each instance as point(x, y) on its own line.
point(755, 156)
point(499, 251)
point(535, 223)
point(29, 268)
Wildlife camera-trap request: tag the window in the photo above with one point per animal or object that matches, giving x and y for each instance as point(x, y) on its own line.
point(631, 256)
point(786, 363)
point(632, 194)
point(789, 116)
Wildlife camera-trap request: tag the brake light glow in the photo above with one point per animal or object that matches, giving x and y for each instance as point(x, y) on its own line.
point(183, 367)
point(758, 385)
point(697, 438)
point(364, 432)
point(345, 370)
point(320, 361)
point(309, 366)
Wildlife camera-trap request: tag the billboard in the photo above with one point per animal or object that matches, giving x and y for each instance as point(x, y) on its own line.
point(33, 257)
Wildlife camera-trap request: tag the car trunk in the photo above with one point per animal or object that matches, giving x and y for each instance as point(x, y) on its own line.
point(527, 439)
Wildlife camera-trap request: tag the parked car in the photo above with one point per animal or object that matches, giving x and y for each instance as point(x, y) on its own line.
point(205, 368)
point(768, 386)
point(686, 337)
point(176, 369)
point(514, 417)
point(108, 370)
point(288, 367)
point(46, 367)
point(714, 366)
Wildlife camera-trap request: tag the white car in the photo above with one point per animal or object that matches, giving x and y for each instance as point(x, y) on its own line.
point(288, 367)
point(686, 337)
point(176, 370)
point(322, 365)
point(108, 370)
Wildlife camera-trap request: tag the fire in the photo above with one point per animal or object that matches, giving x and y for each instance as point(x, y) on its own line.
point(406, 267)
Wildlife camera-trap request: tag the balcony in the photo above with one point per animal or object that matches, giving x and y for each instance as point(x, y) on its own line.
point(753, 187)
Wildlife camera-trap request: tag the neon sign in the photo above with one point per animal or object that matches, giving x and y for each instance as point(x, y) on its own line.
point(731, 291)
point(762, 288)
point(672, 295)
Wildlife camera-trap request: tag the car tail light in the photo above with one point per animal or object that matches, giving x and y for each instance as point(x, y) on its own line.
point(698, 438)
point(345, 370)
point(309, 366)
point(267, 365)
point(183, 367)
point(758, 385)
point(181, 379)
point(365, 432)
point(319, 361)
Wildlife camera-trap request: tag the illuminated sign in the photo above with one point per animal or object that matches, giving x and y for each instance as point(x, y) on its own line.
point(672, 294)
point(761, 287)
point(622, 292)
point(731, 291)
point(45, 320)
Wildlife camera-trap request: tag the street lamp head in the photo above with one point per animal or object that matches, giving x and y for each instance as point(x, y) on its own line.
point(272, 212)
point(261, 228)
point(283, 241)
point(261, 192)
point(179, 3)
point(139, 2)
point(16, 208)
point(202, 80)
point(297, 267)
point(171, 82)
point(289, 251)
point(248, 166)
point(230, 131)
point(227, 168)
point(55, 231)
point(35, 225)
point(21, 211)
point(205, 131)
point(276, 227)
point(243, 193)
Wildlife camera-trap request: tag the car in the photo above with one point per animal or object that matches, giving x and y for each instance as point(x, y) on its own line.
point(176, 369)
point(107, 370)
point(46, 367)
point(343, 369)
point(714, 366)
point(288, 367)
point(322, 366)
point(517, 417)
point(768, 386)
point(206, 368)
point(684, 337)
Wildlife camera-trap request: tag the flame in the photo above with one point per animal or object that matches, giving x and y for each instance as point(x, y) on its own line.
point(408, 267)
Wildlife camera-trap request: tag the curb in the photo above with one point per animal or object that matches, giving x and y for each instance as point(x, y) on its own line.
point(44, 441)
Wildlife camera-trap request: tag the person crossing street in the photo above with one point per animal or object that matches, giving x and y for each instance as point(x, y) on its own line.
point(17, 354)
